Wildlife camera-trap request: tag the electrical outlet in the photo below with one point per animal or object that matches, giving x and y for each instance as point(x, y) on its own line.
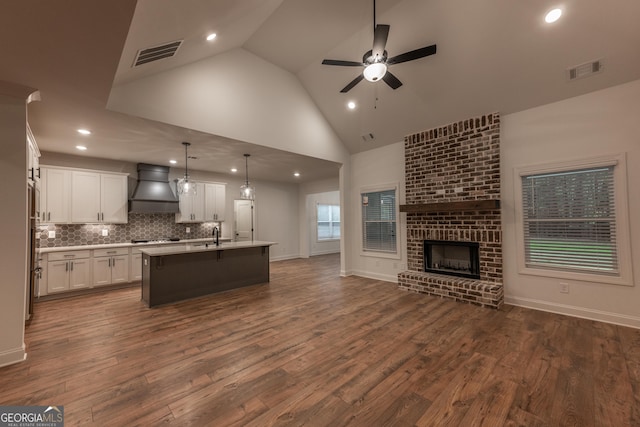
point(52, 234)
point(105, 232)
point(188, 230)
point(440, 192)
point(564, 288)
point(458, 190)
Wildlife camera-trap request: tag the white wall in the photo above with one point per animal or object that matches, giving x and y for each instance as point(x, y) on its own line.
point(13, 222)
point(381, 166)
point(599, 123)
point(226, 95)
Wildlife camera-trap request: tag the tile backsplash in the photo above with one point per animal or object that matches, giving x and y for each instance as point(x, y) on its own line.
point(140, 226)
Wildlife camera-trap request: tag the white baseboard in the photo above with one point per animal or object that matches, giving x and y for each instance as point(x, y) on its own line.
point(332, 251)
point(570, 310)
point(377, 276)
point(12, 356)
point(283, 257)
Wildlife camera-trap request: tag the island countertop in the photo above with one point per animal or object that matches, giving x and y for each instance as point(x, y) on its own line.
point(193, 248)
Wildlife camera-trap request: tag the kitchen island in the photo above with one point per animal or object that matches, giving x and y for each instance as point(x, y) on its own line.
point(179, 272)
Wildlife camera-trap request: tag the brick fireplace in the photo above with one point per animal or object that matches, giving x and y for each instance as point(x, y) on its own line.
point(452, 181)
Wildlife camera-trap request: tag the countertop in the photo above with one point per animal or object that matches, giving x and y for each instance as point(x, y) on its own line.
point(191, 248)
point(127, 245)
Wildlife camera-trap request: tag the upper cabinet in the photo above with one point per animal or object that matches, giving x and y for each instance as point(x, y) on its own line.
point(214, 201)
point(82, 196)
point(55, 195)
point(98, 197)
point(207, 205)
point(33, 162)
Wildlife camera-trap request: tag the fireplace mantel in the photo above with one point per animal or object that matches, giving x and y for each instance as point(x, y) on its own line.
point(467, 205)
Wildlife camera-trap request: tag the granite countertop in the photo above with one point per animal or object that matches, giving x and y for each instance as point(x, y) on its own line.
point(127, 245)
point(191, 248)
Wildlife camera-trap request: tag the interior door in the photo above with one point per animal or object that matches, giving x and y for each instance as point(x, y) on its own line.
point(243, 220)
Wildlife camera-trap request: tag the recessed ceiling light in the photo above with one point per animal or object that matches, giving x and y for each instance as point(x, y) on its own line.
point(84, 131)
point(296, 174)
point(553, 15)
point(173, 162)
point(81, 147)
point(234, 170)
point(351, 105)
point(211, 36)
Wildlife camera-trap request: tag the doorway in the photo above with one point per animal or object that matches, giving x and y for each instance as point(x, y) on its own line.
point(243, 220)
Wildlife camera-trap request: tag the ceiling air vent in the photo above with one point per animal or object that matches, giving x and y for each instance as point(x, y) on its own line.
point(368, 137)
point(585, 70)
point(151, 54)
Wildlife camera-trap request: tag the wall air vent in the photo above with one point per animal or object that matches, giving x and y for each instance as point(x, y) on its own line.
point(584, 70)
point(151, 54)
point(368, 137)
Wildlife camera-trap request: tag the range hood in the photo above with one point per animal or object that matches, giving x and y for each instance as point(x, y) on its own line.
point(153, 194)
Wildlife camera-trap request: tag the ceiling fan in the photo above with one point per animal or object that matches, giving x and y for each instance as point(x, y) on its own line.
point(375, 61)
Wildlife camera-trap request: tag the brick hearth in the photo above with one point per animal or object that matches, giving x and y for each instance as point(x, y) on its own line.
point(455, 163)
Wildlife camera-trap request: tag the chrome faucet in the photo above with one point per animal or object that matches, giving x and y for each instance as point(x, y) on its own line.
point(216, 235)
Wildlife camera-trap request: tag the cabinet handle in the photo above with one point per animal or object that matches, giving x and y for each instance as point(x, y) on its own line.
point(38, 169)
point(102, 216)
point(98, 216)
point(112, 252)
point(109, 262)
point(49, 216)
point(71, 262)
point(70, 256)
point(66, 266)
point(32, 172)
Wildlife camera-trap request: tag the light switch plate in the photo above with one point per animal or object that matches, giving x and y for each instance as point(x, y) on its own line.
point(188, 230)
point(52, 234)
point(105, 232)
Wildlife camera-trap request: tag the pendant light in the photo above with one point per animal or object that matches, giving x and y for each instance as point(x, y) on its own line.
point(247, 192)
point(186, 186)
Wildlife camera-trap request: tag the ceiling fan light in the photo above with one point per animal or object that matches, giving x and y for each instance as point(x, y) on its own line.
point(374, 72)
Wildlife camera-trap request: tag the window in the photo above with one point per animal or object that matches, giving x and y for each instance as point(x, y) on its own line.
point(573, 222)
point(379, 221)
point(328, 222)
point(569, 220)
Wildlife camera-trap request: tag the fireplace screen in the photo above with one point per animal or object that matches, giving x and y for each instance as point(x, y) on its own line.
point(452, 258)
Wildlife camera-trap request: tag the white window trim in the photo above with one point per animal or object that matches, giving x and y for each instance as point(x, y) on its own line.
point(318, 240)
point(625, 276)
point(371, 189)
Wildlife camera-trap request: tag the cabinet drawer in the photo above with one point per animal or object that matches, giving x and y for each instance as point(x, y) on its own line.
point(110, 252)
point(68, 255)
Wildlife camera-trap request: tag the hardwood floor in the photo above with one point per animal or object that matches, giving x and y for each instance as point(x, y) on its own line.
point(311, 348)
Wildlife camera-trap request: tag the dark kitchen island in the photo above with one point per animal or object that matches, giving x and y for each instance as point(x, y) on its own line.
point(180, 272)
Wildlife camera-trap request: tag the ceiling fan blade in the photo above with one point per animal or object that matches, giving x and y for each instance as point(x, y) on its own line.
point(380, 36)
point(342, 63)
point(354, 82)
point(411, 55)
point(391, 80)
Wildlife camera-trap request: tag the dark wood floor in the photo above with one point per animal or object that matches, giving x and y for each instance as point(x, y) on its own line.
point(311, 348)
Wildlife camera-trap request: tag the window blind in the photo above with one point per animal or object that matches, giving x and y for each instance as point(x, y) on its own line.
point(379, 221)
point(569, 221)
point(328, 222)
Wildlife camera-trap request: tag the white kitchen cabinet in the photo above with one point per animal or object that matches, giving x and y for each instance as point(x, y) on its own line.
point(68, 270)
point(55, 195)
point(33, 166)
point(192, 207)
point(98, 197)
point(110, 266)
point(214, 201)
point(207, 205)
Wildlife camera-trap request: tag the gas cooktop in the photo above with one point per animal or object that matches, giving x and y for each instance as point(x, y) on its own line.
point(163, 240)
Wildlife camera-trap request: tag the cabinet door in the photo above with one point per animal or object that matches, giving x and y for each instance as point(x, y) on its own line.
point(79, 273)
point(113, 198)
point(192, 207)
point(214, 202)
point(101, 271)
point(57, 276)
point(136, 267)
point(120, 269)
point(85, 197)
point(55, 196)
point(198, 204)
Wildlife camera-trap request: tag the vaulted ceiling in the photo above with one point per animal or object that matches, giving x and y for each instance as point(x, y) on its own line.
point(495, 55)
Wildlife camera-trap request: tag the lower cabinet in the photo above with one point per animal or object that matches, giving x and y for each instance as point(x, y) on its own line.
point(136, 263)
point(68, 271)
point(110, 266)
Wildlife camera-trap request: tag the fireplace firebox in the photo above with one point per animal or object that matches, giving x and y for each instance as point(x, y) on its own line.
point(453, 258)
